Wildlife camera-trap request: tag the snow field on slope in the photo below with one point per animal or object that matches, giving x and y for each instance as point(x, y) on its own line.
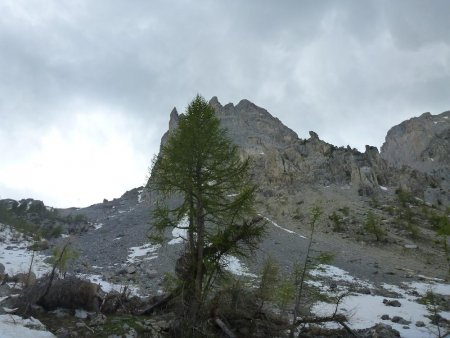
point(15, 256)
point(364, 311)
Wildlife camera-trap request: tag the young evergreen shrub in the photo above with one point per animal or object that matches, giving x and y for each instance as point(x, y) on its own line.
point(372, 226)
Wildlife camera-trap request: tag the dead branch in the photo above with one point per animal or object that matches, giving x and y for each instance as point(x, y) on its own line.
point(224, 328)
point(150, 308)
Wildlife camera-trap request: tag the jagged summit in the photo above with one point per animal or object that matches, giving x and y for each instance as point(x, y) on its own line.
point(282, 160)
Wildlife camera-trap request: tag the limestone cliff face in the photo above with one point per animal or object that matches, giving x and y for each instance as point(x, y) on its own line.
point(173, 124)
point(423, 143)
point(281, 157)
point(285, 163)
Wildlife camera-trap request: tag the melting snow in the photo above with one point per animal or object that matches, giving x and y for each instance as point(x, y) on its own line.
point(180, 235)
point(98, 226)
point(233, 265)
point(107, 286)
point(365, 311)
point(383, 188)
point(12, 326)
point(15, 256)
point(141, 251)
point(140, 195)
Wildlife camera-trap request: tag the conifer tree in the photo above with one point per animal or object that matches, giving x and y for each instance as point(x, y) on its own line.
point(202, 165)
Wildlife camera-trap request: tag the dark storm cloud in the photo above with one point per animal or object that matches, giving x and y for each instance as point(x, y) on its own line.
point(346, 69)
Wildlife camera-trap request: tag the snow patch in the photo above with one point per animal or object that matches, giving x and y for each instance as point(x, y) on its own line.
point(107, 286)
point(338, 274)
point(17, 257)
point(98, 226)
point(140, 196)
point(141, 251)
point(180, 235)
point(234, 265)
point(280, 227)
point(365, 311)
point(12, 326)
point(383, 188)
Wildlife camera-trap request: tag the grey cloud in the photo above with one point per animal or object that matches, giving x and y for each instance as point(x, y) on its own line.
point(337, 67)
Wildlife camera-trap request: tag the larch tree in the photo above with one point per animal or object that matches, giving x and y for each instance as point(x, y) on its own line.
point(202, 165)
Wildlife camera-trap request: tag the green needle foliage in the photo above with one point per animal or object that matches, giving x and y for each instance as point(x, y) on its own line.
point(61, 256)
point(202, 165)
point(372, 225)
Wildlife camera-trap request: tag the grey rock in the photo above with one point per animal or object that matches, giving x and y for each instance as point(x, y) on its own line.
point(99, 319)
point(131, 334)
point(151, 273)
point(81, 314)
point(419, 323)
point(131, 269)
point(379, 331)
point(394, 303)
point(2, 268)
point(385, 317)
point(400, 320)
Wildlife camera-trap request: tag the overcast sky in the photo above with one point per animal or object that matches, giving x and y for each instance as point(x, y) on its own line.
point(86, 87)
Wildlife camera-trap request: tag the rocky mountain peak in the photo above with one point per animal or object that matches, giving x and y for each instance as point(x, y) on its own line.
point(313, 135)
point(284, 162)
point(214, 102)
point(174, 116)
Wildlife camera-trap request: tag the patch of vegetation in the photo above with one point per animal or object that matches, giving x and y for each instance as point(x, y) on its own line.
point(34, 219)
point(9, 217)
point(337, 221)
point(61, 256)
point(373, 226)
point(405, 197)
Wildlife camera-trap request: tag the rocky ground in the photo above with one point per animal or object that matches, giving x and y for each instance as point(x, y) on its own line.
point(115, 252)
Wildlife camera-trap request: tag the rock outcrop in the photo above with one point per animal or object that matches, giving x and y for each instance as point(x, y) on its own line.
point(282, 158)
point(285, 164)
point(423, 143)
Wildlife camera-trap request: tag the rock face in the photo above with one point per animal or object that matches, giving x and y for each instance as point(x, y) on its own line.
point(281, 157)
point(284, 163)
point(422, 143)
